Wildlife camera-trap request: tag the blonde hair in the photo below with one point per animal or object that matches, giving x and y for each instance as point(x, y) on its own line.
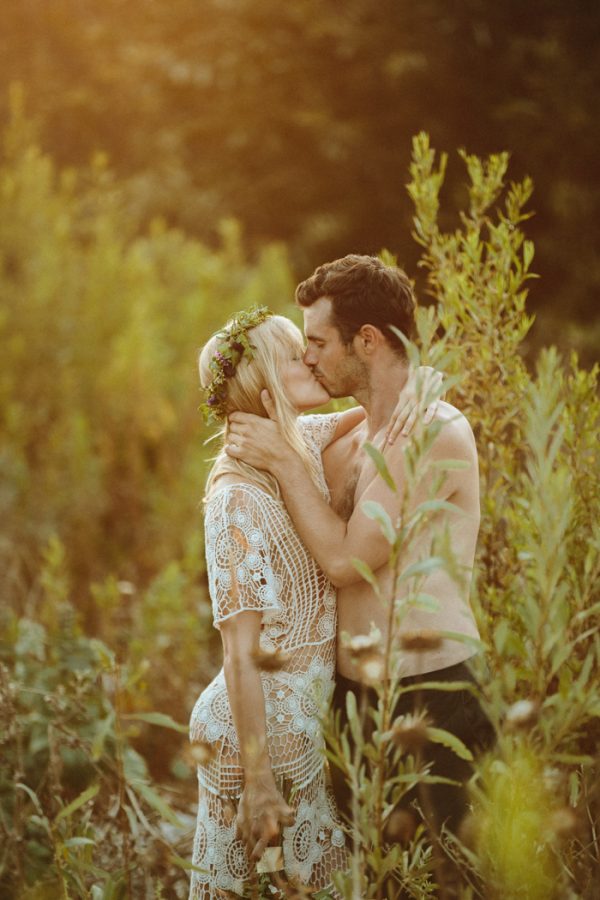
point(272, 341)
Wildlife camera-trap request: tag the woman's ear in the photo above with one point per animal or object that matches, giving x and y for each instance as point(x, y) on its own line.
point(269, 404)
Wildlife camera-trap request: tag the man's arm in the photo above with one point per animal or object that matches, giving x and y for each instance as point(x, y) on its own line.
point(332, 541)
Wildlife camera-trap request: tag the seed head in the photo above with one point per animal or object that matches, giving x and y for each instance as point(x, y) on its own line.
point(228, 812)
point(421, 639)
point(400, 827)
point(409, 732)
point(270, 660)
point(468, 830)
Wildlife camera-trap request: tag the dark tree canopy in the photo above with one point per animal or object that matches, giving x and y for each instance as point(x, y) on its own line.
point(297, 118)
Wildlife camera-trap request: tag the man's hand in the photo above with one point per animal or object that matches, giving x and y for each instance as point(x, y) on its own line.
point(422, 383)
point(258, 441)
point(262, 813)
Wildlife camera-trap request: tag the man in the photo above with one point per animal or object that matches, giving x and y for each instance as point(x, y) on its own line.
point(349, 306)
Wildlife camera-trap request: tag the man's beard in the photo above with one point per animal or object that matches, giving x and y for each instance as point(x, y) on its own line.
point(347, 378)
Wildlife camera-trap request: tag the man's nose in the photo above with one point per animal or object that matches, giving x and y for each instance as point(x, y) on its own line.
point(309, 358)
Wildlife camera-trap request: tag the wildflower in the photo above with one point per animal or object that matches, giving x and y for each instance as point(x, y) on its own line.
point(522, 714)
point(362, 645)
point(422, 639)
point(371, 668)
point(202, 753)
point(563, 822)
point(270, 660)
point(553, 778)
point(126, 587)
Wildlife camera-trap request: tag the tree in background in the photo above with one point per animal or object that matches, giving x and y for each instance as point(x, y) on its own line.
point(296, 118)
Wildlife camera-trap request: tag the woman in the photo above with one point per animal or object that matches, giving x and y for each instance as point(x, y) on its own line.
point(258, 720)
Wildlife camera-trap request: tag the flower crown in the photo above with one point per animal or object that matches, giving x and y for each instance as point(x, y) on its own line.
point(232, 344)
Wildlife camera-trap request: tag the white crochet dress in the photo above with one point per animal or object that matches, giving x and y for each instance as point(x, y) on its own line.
point(276, 575)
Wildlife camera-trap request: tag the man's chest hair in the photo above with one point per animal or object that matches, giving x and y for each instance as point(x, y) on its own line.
point(346, 464)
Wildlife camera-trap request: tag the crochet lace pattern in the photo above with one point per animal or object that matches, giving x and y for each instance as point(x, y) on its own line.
point(275, 575)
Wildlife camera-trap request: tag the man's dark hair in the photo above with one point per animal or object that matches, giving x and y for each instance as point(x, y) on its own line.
point(363, 291)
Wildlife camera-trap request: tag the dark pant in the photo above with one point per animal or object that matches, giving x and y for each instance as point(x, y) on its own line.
point(456, 711)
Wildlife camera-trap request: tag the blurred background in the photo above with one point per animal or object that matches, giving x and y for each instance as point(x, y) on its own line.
point(163, 164)
point(296, 119)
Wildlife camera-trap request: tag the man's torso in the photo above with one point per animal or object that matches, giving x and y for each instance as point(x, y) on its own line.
point(349, 471)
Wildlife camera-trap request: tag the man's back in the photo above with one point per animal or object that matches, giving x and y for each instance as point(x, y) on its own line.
point(349, 471)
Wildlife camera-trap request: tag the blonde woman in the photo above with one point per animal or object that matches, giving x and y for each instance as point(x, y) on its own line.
point(258, 721)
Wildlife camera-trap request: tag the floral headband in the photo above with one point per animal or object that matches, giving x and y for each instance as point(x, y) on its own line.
point(232, 344)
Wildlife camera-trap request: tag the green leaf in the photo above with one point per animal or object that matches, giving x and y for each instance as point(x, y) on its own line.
point(447, 686)
point(32, 796)
point(156, 802)
point(353, 719)
point(438, 505)
point(78, 802)
point(573, 759)
point(376, 511)
point(186, 864)
point(381, 465)
point(79, 842)
point(440, 736)
point(366, 572)
point(448, 465)
point(425, 601)
point(422, 567)
point(103, 729)
point(157, 718)
point(467, 639)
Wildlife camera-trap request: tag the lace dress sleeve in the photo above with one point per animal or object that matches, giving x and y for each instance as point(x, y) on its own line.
point(238, 554)
point(319, 427)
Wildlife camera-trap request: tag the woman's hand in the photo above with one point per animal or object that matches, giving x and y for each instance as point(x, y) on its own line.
point(421, 383)
point(262, 813)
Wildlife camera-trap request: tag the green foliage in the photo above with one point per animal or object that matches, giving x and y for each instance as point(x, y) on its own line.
point(533, 829)
point(295, 118)
point(78, 815)
point(103, 460)
point(98, 388)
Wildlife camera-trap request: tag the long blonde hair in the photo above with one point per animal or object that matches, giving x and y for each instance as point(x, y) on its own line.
point(272, 341)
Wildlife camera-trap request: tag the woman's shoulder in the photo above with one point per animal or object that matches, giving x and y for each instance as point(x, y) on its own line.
point(319, 427)
point(236, 489)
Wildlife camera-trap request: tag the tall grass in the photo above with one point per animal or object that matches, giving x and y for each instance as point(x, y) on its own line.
point(106, 632)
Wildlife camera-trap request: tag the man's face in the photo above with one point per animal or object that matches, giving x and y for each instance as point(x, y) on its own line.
point(334, 364)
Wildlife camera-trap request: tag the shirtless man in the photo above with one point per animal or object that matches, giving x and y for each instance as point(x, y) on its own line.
point(348, 305)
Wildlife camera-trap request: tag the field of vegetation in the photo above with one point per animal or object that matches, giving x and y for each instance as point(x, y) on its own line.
point(105, 623)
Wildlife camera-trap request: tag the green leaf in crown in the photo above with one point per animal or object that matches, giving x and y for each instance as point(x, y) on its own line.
point(232, 346)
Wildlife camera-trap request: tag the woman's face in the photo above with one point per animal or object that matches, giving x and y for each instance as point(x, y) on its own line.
point(300, 385)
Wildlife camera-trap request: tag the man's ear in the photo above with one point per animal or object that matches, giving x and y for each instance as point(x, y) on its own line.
point(367, 339)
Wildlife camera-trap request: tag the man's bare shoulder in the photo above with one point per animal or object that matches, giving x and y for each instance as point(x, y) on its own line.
point(455, 434)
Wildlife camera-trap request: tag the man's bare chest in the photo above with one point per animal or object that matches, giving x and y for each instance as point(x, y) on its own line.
point(344, 464)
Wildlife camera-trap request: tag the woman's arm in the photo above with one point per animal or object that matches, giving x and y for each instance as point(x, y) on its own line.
point(262, 810)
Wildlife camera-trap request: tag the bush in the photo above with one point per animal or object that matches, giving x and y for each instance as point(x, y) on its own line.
point(106, 624)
